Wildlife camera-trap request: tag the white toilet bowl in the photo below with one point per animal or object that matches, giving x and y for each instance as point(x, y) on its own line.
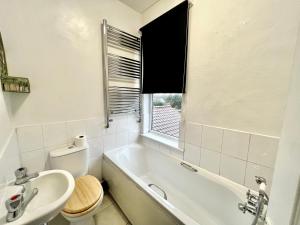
point(84, 202)
point(88, 193)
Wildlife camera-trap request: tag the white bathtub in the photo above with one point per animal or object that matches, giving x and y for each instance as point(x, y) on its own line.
point(193, 198)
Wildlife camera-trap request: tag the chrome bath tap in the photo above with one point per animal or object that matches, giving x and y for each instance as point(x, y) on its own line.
point(256, 204)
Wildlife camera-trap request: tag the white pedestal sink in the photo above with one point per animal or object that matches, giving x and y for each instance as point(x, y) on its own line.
point(54, 189)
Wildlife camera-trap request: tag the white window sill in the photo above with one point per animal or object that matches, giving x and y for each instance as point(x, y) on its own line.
point(162, 140)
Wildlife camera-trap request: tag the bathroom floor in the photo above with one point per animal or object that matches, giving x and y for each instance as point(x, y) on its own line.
point(109, 214)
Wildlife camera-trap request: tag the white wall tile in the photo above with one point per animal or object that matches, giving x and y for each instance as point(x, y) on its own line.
point(122, 139)
point(236, 144)
point(171, 151)
point(133, 125)
point(193, 134)
point(95, 167)
point(192, 154)
point(10, 159)
point(55, 134)
point(164, 149)
point(75, 128)
point(150, 143)
point(233, 169)
point(94, 127)
point(263, 150)
point(34, 160)
point(95, 147)
point(210, 160)
point(30, 138)
point(112, 129)
point(181, 132)
point(253, 170)
point(212, 138)
point(122, 124)
point(133, 137)
point(109, 142)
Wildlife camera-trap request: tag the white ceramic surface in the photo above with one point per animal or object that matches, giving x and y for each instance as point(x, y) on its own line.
point(201, 198)
point(212, 138)
point(55, 187)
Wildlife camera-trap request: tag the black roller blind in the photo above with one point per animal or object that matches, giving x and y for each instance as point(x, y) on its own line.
point(164, 52)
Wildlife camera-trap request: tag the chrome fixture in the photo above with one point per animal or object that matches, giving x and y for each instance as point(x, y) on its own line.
point(164, 193)
point(16, 204)
point(187, 166)
point(256, 204)
point(122, 99)
point(22, 177)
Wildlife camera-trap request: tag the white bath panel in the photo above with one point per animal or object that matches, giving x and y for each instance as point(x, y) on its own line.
point(296, 219)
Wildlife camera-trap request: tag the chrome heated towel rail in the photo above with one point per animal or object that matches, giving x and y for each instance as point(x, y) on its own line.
point(120, 98)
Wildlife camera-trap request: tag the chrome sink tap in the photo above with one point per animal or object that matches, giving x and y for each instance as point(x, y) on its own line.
point(256, 204)
point(16, 204)
point(22, 177)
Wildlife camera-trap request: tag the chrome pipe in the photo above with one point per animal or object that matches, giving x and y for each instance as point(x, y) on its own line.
point(122, 44)
point(124, 67)
point(119, 38)
point(120, 71)
point(111, 28)
point(105, 72)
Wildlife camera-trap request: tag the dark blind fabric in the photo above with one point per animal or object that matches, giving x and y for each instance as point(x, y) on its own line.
point(164, 51)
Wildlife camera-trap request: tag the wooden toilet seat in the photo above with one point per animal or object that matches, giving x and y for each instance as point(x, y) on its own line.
point(86, 196)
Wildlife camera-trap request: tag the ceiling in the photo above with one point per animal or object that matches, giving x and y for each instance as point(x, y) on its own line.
point(139, 5)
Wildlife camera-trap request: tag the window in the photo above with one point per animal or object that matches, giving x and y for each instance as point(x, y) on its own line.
point(166, 114)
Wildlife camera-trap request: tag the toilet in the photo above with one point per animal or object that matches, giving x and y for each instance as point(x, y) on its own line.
point(88, 193)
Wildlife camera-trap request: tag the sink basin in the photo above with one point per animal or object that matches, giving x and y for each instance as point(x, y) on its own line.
point(54, 189)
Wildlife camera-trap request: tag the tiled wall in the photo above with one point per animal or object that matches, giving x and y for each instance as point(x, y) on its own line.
point(236, 155)
point(9, 159)
point(36, 141)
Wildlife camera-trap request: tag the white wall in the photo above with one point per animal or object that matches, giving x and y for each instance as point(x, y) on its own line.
point(57, 44)
point(5, 122)
point(287, 171)
point(239, 62)
point(240, 57)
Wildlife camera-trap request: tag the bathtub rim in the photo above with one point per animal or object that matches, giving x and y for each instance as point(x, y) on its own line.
point(164, 204)
point(237, 189)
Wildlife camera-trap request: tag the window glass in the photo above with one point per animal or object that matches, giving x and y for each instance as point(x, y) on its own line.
point(166, 114)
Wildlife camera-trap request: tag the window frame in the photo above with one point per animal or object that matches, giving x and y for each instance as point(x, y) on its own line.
point(151, 121)
point(157, 137)
point(148, 133)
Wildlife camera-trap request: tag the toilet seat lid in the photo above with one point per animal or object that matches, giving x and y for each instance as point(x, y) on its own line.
point(86, 193)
